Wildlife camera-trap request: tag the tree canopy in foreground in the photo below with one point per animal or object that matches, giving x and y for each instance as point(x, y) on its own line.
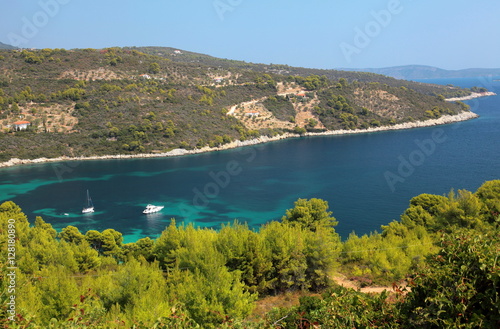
point(444, 247)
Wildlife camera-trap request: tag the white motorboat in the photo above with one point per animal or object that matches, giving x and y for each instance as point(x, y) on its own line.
point(89, 207)
point(152, 209)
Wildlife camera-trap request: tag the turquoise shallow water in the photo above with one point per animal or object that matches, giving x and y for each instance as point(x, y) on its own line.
point(361, 176)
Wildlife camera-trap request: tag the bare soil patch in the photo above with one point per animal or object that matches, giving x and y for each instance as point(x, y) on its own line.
point(97, 74)
point(53, 118)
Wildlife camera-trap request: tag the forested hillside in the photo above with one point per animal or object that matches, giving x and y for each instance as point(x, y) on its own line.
point(442, 257)
point(89, 102)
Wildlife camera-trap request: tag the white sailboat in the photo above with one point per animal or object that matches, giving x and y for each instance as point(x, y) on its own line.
point(89, 207)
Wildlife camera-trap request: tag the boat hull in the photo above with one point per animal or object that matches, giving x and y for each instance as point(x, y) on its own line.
point(150, 209)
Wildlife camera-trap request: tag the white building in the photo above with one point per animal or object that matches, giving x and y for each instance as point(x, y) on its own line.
point(20, 125)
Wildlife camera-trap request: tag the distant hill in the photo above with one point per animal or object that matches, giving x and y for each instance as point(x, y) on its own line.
point(6, 46)
point(427, 72)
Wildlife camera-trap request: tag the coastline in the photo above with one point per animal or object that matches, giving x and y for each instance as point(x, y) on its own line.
point(446, 119)
point(471, 96)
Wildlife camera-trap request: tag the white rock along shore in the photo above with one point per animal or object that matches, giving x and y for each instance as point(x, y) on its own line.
point(262, 139)
point(471, 96)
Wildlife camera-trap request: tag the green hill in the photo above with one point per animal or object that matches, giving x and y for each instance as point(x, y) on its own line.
point(87, 102)
point(389, 76)
point(6, 46)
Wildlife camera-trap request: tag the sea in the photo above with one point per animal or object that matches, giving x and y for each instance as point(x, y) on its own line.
point(367, 179)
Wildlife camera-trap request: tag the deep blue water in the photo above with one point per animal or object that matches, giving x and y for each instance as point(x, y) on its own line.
point(368, 179)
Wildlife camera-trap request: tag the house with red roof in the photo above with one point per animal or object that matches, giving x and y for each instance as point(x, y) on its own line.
point(20, 125)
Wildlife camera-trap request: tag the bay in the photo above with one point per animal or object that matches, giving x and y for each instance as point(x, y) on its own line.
point(368, 179)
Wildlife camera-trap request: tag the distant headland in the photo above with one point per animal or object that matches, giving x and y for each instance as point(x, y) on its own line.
point(410, 72)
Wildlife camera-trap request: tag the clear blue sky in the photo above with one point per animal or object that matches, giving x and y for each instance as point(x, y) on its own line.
point(450, 34)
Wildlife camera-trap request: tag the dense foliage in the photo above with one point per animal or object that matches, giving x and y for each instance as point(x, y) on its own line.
point(212, 276)
point(458, 287)
point(445, 247)
point(281, 107)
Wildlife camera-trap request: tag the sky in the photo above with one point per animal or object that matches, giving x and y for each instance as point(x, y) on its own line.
point(449, 34)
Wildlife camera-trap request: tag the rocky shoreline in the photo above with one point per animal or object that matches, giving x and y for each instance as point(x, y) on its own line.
point(471, 96)
point(262, 139)
point(445, 119)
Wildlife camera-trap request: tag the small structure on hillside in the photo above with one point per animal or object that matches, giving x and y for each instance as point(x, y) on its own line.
point(20, 125)
point(252, 114)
